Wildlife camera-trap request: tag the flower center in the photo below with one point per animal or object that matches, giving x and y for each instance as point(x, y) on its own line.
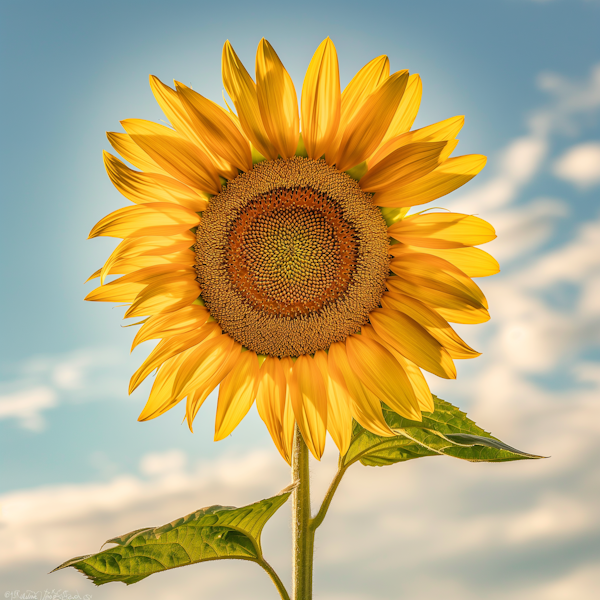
point(291, 252)
point(291, 257)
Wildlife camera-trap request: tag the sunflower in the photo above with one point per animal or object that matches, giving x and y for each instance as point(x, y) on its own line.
point(281, 265)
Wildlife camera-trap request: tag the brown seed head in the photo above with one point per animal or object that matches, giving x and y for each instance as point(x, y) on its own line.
point(291, 257)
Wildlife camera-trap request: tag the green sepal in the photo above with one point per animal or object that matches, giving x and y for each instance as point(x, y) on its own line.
point(212, 533)
point(256, 155)
point(301, 148)
point(358, 171)
point(393, 215)
point(446, 431)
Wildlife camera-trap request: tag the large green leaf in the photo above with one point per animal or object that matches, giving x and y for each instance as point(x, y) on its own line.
point(212, 533)
point(447, 431)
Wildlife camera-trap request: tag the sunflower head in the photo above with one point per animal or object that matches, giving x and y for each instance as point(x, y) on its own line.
point(282, 265)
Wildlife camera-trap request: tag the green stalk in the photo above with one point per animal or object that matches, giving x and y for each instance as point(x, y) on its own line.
point(318, 519)
point(274, 578)
point(303, 535)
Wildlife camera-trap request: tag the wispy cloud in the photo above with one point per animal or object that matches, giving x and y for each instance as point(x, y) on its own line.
point(26, 406)
point(44, 382)
point(573, 105)
point(580, 165)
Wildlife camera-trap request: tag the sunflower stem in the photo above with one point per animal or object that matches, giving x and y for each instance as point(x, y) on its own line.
point(318, 518)
point(303, 536)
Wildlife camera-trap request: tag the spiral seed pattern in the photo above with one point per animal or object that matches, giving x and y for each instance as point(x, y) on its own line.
point(291, 252)
point(291, 257)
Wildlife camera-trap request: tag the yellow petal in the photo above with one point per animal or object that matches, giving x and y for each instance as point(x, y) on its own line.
point(152, 274)
point(169, 347)
point(175, 154)
point(168, 248)
point(438, 132)
point(446, 303)
point(277, 100)
point(166, 325)
point(407, 110)
point(364, 133)
point(417, 380)
point(236, 394)
point(309, 401)
point(159, 245)
point(116, 291)
point(287, 364)
point(362, 85)
point(235, 119)
point(157, 218)
point(170, 102)
point(473, 262)
point(197, 397)
point(403, 166)
point(165, 296)
point(156, 247)
point(366, 407)
point(443, 230)
point(412, 341)
point(127, 265)
point(132, 153)
point(143, 188)
point(94, 275)
point(448, 177)
point(438, 274)
point(126, 288)
point(216, 128)
point(383, 375)
point(242, 90)
point(321, 100)
point(431, 322)
point(204, 362)
point(271, 405)
point(339, 414)
point(161, 397)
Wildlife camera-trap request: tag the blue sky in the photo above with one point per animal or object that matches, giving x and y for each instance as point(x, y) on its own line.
point(78, 468)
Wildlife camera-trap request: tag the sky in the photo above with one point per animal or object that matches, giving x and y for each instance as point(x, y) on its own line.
point(76, 467)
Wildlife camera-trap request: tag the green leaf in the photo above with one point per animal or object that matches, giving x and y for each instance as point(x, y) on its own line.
point(212, 533)
point(446, 431)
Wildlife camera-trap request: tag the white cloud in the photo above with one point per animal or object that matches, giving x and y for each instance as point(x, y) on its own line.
point(163, 463)
point(572, 103)
point(580, 165)
point(70, 374)
point(519, 162)
point(589, 303)
point(522, 229)
point(44, 382)
point(574, 262)
point(583, 584)
point(27, 405)
point(522, 158)
point(52, 523)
